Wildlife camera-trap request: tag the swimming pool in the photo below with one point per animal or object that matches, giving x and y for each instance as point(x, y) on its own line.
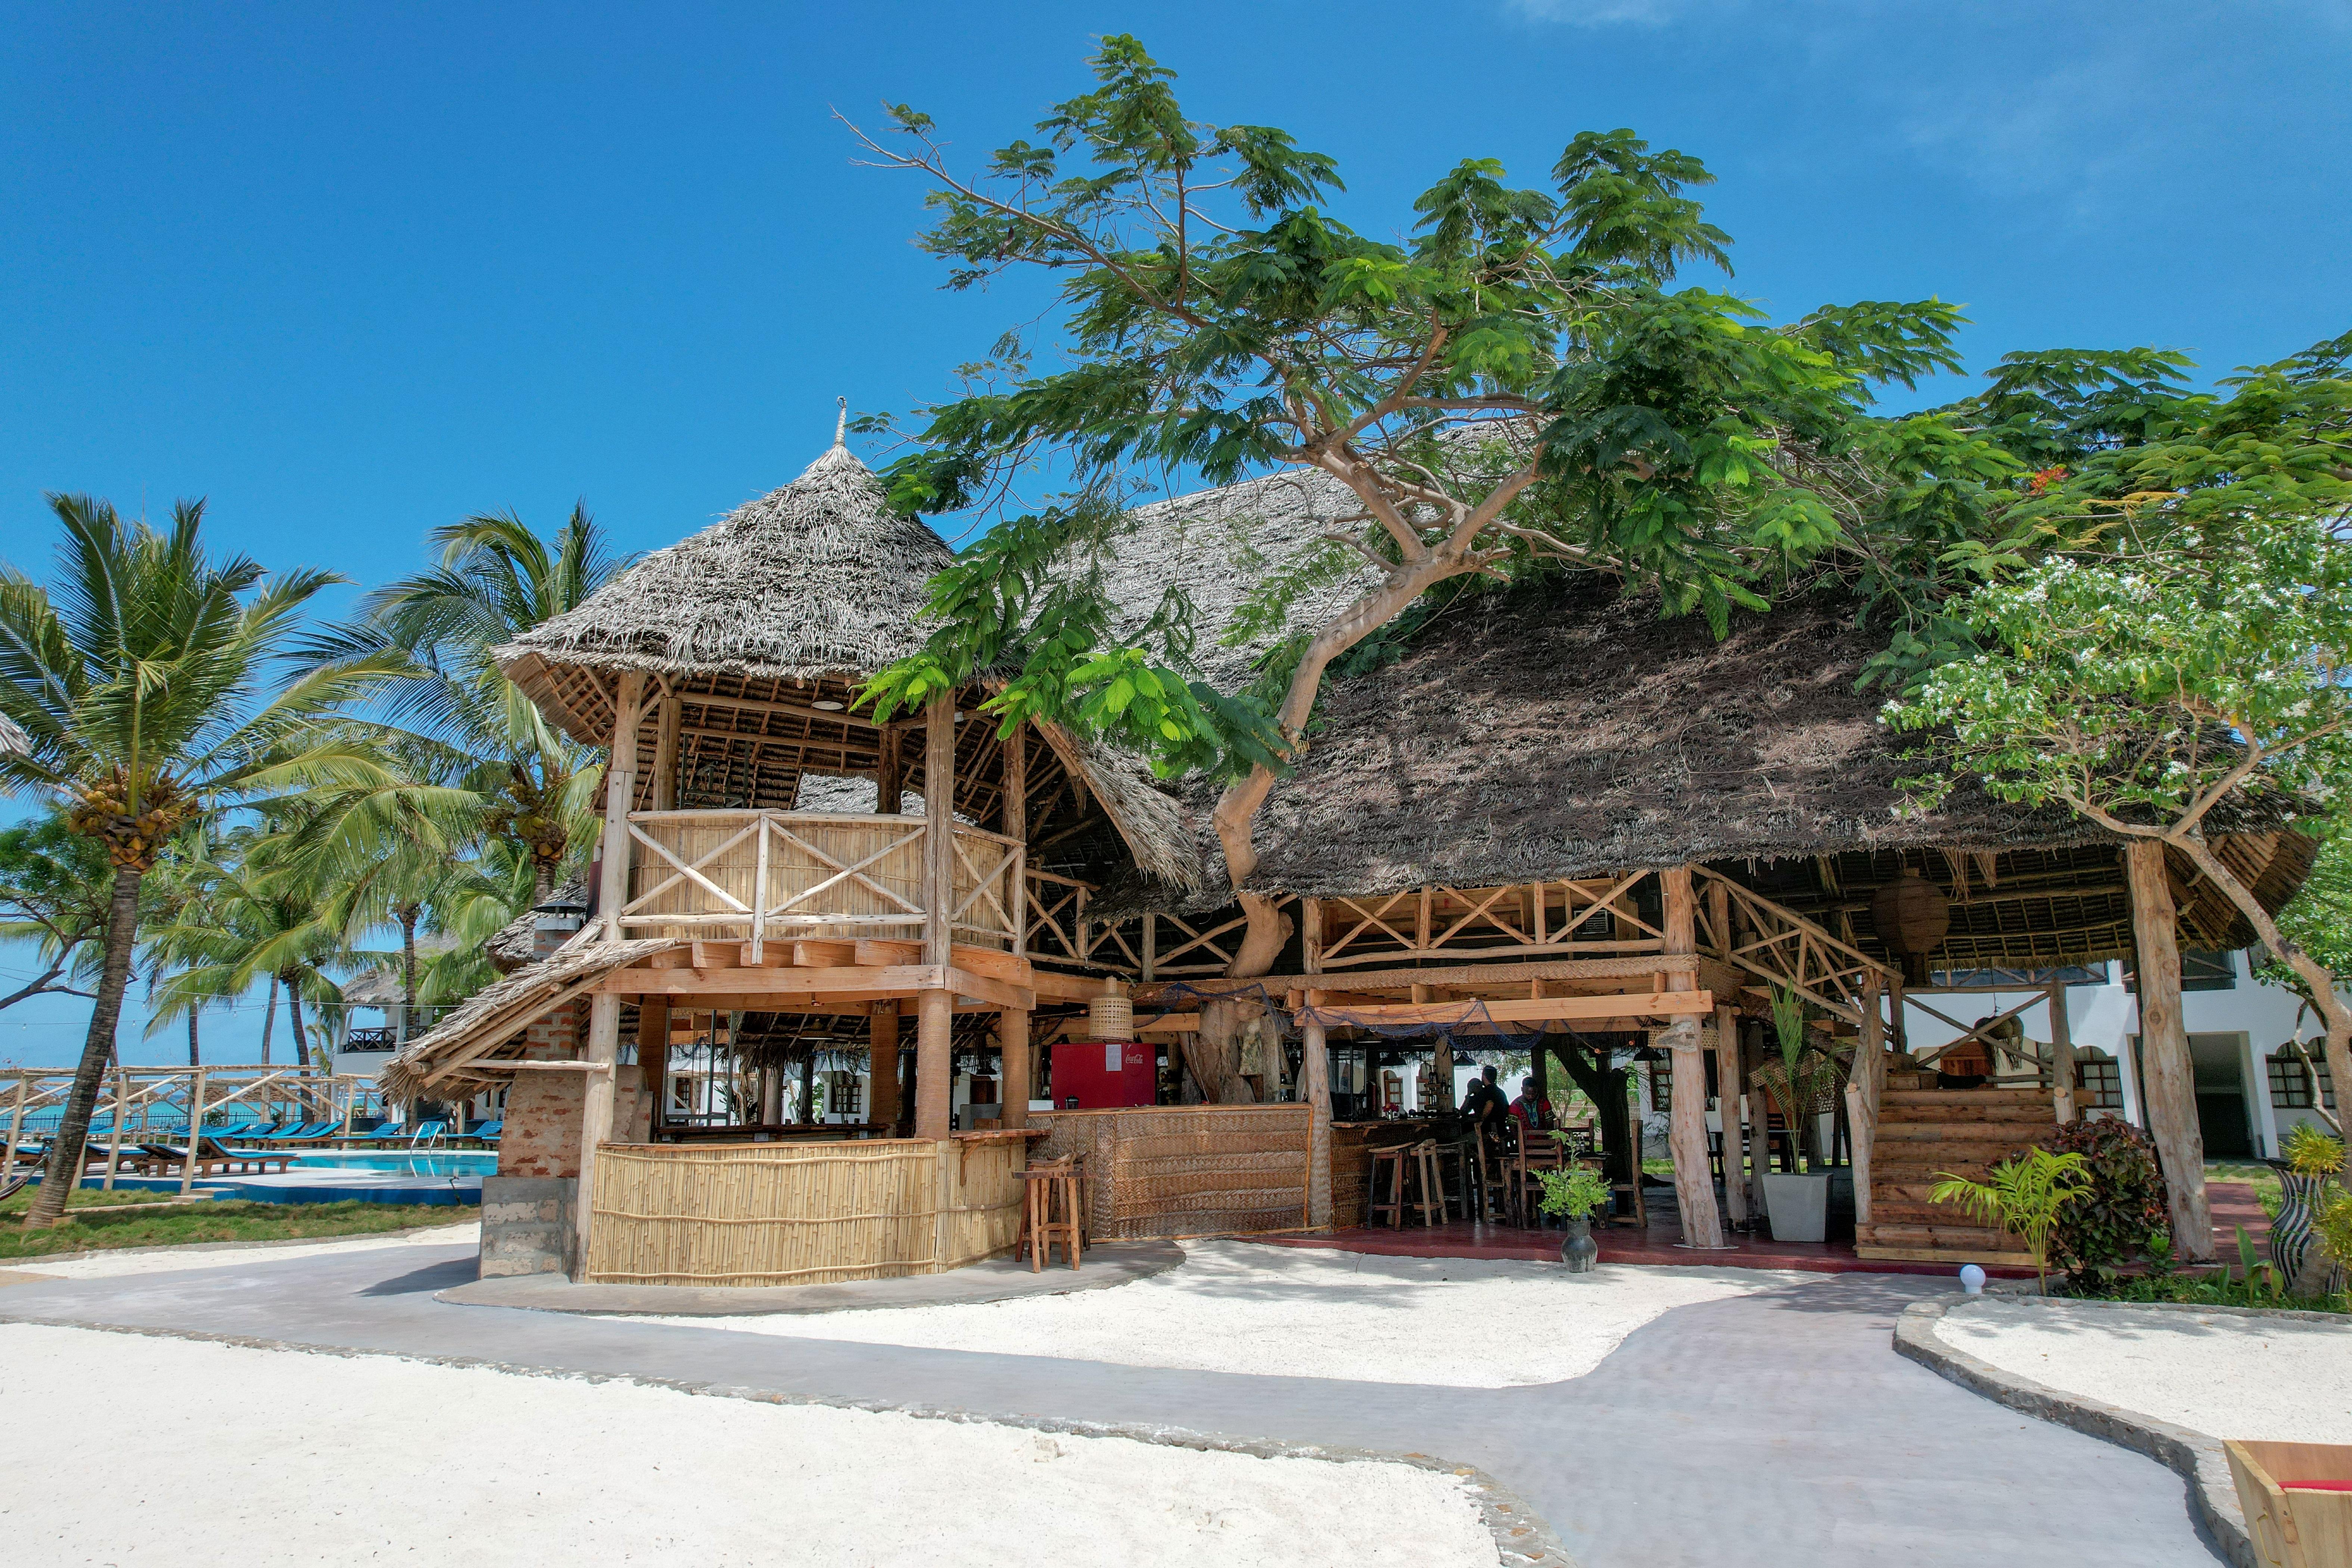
point(427, 1164)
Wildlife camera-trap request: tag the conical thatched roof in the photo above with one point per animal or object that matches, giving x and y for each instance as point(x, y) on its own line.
point(811, 581)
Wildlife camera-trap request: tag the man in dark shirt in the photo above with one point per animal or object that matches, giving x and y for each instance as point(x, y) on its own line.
point(1485, 1102)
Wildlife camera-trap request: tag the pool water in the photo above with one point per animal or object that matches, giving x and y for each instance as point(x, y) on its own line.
point(428, 1165)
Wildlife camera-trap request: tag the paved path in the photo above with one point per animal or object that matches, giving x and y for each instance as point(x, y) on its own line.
point(1776, 1430)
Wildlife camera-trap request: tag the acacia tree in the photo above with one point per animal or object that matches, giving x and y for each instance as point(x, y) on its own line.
point(2184, 652)
point(1513, 387)
point(55, 890)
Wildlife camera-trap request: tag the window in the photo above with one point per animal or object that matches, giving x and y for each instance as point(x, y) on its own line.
point(1662, 1088)
point(2203, 971)
point(2291, 1082)
point(2098, 1084)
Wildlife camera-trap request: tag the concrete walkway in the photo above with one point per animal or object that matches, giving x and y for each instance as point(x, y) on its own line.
point(1775, 1430)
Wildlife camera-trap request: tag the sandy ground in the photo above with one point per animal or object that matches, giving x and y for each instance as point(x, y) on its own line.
point(169, 1452)
point(2222, 1374)
point(169, 1260)
point(1298, 1313)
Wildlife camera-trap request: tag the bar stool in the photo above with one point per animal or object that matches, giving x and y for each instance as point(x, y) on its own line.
point(1394, 1156)
point(1050, 1212)
point(1453, 1183)
point(1429, 1194)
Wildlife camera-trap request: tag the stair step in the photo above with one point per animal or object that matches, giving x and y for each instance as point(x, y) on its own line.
point(1952, 1257)
point(1913, 1211)
point(1965, 1115)
point(1964, 1097)
point(2010, 1133)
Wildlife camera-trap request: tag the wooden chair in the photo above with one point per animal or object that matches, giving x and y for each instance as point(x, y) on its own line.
point(1452, 1175)
point(1539, 1152)
point(1050, 1212)
point(1497, 1174)
point(1640, 1214)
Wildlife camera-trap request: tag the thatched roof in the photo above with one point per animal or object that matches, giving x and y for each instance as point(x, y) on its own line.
point(500, 1012)
point(815, 580)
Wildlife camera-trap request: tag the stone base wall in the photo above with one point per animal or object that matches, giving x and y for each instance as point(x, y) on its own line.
point(526, 1225)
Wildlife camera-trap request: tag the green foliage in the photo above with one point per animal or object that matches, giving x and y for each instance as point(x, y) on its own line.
point(2331, 1223)
point(2121, 1208)
point(54, 888)
point(2024, 1196)
point(1575, 1191)
point(2258, 1278)
point(2311, 1152)
point(1513, 387)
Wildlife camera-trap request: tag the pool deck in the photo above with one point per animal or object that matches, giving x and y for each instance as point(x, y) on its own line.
point(316, 1185)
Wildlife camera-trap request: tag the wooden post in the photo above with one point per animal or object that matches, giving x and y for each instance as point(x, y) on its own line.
point(2062, 1057)
point(1314, 1070)
point(114, 1133)
point(1863, 1088)
point(619, 790)
point(1693, 1186)
point(15, 1124)
point(664, 796)
point(1015, 1074)
point(889, 772)
point(195, 1120)
point(2170, 1077)
point(882, 1068)
point(935, 1010)
point(595, 1113)
point(1150, 947)
point(653, 1058)
point(1726, 1099)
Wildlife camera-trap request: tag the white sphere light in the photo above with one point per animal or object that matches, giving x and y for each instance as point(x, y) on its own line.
point(1972, 1278)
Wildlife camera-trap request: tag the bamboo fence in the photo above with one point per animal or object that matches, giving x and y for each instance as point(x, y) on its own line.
point(1186, 1170)
point(800, 1213)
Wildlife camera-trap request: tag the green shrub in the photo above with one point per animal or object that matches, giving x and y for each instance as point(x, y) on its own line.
point(1575, 1192)
point(2109, 1228)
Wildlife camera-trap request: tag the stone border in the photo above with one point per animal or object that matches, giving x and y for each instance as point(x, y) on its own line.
point(1522, 1539)
point(32, 1264)
point(1109, 1264)
point(2198, 1459)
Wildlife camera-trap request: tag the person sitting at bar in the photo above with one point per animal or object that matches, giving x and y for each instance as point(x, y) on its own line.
point(1483, 1102)
point(1532, 1114)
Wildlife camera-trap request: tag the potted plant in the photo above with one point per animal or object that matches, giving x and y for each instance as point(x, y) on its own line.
point(2313, 1158)
point(2024, 1195)
point(1573, 1194)
point(1798, 1204)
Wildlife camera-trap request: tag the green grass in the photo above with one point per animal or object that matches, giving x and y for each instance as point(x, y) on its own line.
point(92, 1228)
point(95, 1197)
point(2210, 1291)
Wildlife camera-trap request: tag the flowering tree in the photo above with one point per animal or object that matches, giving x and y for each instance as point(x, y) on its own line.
point(2185, 654)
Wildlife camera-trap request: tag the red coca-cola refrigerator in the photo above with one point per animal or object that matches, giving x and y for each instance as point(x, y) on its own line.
point(1103, 1074)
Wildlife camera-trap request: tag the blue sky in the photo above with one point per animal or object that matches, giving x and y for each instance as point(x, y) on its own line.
point(353, 272)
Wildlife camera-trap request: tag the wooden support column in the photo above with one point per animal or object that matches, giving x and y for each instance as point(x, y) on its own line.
point(1687, 1135)
point(620, 789)
point(1015, 1073)
point(595, 1115)
point(653, 1057)
point(882, 1067)
point(2062, 1057)
point(16, 1125)
point(1863, 1088)
point(114, 1134)
point(1315, 1075)
point(2170, 1077)
point(1726, 1099)
point(935, 1010)
point(890, 772)
point(665, 793)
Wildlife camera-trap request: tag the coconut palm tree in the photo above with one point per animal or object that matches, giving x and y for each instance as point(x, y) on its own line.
point(496, 580)
point(141, 685)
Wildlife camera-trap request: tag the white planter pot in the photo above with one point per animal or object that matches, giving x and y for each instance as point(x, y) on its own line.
point(1797, 1207)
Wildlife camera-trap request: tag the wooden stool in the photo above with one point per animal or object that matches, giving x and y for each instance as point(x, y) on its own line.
point(1429, 1196)
point(1394, 1156)
point(1050, 1212)
point(1452, 1186)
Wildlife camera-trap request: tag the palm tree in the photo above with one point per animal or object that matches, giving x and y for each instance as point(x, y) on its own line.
point(496, 580)
point(140, 689)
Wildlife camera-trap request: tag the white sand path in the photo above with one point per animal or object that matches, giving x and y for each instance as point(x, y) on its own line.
point(2220, 1374)
point(164, 1451)
point(1303, 1312)
point(168, 1259)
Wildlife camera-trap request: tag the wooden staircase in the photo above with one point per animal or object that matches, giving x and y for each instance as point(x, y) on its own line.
point(1924, 1133)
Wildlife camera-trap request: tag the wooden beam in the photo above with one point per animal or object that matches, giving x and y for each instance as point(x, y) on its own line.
point(1512, 974)
point(1648, 1004)
point(1687, 1124)
point(1315, 1071)
point(800, 710)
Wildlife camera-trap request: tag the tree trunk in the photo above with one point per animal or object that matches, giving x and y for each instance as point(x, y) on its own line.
point(64, 1171)
point(1687, 1132)
point(294, 1021)
point(2170, 1078)
point(543, 881)
point(196, 1056)
point(2336, 1046)
point(268, 1020)
point(407, 970)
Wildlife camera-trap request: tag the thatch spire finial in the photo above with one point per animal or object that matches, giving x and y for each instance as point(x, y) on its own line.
point(841, 425)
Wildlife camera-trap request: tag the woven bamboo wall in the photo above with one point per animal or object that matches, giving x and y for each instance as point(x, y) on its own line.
point(1186, 1170)
point(799, 1214)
